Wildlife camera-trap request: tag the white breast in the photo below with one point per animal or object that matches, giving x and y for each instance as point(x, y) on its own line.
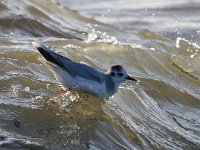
point(77, 82)
point(91, 86)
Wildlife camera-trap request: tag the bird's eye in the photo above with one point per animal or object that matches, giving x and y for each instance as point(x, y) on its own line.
point(120, 74)
point(112, 74)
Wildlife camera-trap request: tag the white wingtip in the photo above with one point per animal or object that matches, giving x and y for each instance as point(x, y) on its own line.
point(36, 45)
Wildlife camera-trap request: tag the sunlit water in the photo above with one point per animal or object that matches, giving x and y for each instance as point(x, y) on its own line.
point(157, 41)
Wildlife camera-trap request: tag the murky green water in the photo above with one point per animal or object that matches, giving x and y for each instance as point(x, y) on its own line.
point(157, 41)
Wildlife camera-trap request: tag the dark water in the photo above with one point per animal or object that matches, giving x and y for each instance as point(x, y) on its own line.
point(157, 41)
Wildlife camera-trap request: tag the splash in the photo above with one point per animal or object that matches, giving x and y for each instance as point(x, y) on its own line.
point(98, 36)
point(192, 48)
point(188, 58)
point(179, 39)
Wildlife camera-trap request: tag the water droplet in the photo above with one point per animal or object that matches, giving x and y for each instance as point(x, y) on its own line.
point(192, 56)
point(152, 48)
point(27, 88)
point(38, 97)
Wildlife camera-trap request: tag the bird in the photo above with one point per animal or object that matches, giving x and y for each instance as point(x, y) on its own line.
point(83, 77)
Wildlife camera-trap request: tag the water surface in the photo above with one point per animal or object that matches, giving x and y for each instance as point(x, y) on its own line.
point(157, 41)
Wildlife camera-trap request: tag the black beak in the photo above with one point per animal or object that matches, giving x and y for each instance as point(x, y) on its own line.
point(130, 78)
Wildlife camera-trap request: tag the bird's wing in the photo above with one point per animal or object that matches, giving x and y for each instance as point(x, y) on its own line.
point(74, 68)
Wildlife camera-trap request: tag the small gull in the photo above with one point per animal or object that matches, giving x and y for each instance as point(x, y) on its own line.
point(80, 76)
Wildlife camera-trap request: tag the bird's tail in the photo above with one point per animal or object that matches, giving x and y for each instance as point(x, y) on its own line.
point(47, 53)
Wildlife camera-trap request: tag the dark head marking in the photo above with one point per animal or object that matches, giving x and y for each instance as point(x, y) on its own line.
point(112, 74)
point(116, 67)
point(120, 74)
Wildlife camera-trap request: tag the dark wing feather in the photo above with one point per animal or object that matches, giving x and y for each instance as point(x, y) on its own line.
point(74, 68)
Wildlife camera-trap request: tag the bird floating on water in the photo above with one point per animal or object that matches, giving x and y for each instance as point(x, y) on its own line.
point(79, 76)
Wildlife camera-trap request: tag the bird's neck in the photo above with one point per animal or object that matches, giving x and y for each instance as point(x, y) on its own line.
point(112, 86)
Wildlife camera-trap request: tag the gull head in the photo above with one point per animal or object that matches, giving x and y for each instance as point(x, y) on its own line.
point(119, 74)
